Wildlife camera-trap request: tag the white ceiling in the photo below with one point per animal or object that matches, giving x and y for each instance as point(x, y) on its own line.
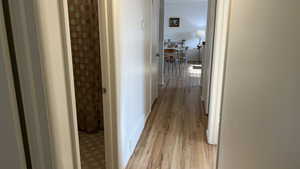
point(176, 1)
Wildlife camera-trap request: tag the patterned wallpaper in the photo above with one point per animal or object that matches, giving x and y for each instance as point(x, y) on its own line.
point(84, 26)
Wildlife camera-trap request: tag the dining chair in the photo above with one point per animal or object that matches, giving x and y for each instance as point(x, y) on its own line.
point(182, 58)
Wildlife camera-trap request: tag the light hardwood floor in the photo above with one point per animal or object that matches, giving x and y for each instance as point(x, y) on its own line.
point(175, 134)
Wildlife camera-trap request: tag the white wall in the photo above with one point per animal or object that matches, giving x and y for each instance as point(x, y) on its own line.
point(12, 153)
point(30, 77)
point(261, 112)
point(193, 17)
point(133, 56)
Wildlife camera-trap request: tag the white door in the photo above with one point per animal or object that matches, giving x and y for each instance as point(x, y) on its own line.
point(155, 56)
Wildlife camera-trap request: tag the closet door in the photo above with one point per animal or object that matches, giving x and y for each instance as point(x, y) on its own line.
point(155, 55)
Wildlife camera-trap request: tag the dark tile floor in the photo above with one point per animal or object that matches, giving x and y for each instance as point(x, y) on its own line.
point(92, 150)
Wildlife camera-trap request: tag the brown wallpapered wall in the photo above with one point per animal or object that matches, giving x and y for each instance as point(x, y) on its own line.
point(84, 28)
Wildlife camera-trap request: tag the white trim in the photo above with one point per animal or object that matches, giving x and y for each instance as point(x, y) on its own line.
point(208, 54)
point(220, 45)
point(154, 38)
point(111, 145)
point(48, 82)
point(110, 104)
point(64, 16)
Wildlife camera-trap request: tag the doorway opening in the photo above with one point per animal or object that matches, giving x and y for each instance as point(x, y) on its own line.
point(184, 38)
point(175, 99)
point(175, 135)
point(85, 46)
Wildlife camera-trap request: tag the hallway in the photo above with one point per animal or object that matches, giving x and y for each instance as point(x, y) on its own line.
point(174, 136)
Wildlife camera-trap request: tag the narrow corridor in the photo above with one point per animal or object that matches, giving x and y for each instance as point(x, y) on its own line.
point(175, 134)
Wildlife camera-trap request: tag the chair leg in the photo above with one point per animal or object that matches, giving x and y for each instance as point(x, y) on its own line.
point(179, 67)
point(165, 66)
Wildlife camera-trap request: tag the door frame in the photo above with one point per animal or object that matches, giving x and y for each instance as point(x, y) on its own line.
point(222, 20)
point(161, 41)
point(9, 105)
point(153, 54)
point(208, 59)
point(108, 83)
point(48, 81)
point(50, 19)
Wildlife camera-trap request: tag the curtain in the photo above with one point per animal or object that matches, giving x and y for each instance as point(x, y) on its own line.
point(84, 28)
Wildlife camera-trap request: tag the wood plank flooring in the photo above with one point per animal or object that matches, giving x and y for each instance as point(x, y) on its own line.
point(175, 134)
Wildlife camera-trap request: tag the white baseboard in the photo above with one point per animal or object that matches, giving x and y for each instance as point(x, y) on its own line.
point(210, 140)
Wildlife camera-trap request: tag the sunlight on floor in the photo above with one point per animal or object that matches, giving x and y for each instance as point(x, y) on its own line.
point(195, 70)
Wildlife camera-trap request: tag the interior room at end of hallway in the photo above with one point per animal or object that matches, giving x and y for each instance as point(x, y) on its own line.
point(191, 30)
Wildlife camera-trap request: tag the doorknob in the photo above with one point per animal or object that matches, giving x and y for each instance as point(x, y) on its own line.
point(157, 55)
